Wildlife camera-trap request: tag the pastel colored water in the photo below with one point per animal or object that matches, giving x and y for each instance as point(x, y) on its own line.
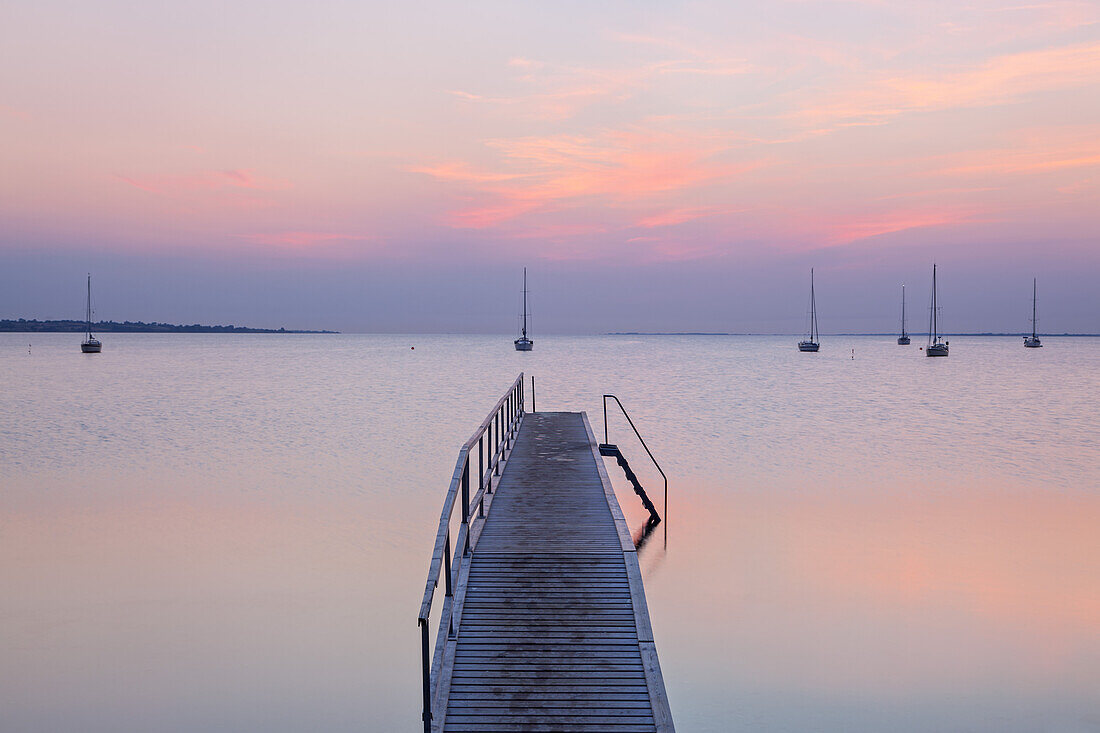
point(231, 533)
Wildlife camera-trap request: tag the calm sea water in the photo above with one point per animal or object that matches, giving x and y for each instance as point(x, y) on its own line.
point(231, 533)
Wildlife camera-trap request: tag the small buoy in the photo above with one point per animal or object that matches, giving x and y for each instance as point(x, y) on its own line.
point(413, 348)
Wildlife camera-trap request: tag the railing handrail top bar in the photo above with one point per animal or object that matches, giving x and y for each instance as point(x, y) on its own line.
point(635, 429)
point(449, 503)
point(485, 423)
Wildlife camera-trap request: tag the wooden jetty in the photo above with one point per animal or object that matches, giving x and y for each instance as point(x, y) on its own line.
point(543, 625)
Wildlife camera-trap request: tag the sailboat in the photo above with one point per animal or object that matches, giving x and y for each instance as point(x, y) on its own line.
point(810, 343)
point(936, 345)
point(1032, 341)
point(903, 339)
point(523, 343)
point(90, 344)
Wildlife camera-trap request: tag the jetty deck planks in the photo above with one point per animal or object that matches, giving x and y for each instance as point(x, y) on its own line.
point(553, 632)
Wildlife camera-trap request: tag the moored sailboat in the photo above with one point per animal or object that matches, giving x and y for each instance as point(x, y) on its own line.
point(812, 341)
point(1032, 341)
point(523, 343)
point(903, 339)
point(90, 344)
point(936, 345)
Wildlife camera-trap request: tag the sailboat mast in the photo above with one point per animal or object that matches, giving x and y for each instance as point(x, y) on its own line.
point(813, 309)
point(932, 308)
point(525, 302)
point(88, 309)
point(935, 315)
point(903, 310)
point(1034, 323)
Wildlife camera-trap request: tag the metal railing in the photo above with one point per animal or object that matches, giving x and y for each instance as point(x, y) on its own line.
point(664, 504)
point(492, 439)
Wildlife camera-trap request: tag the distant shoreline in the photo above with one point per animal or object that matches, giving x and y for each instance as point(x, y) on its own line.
point(23, 325)
point(912, 333)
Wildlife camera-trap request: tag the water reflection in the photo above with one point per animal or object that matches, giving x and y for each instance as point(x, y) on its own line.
point(236, 537)
point(643, 533)
point(896, 610)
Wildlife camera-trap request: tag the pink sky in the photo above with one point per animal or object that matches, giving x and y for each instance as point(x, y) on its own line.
point(725, 133)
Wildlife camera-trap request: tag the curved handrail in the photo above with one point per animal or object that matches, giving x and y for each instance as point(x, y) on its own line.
point(452, 492)
point(500, 426)
point(641, 439)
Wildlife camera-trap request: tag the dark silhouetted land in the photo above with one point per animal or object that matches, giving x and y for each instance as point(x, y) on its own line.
point(33, 325)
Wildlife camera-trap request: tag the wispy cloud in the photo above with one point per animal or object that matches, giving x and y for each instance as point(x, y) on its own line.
point(1010, 161)
point(555, 91)
point(999, 80)
point(462, 171)
point(619, 168)
point(203, 181)
point(846, 231)
point(672, 217)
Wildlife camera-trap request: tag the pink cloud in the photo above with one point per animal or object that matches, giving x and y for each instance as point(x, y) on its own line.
point(1012, 162)
point(1029, 151)
point(485, 217)
point(671, 217)
point(999, 80)
point(560, 91)
point(864, 227)
point(8, 111)
point(461, 171)
point(203, 181)
point(618, 168)
point(559, 102)
point(936, 192)
point(524, 63)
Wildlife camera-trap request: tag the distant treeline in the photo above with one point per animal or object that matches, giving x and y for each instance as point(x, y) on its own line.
point(33, 325)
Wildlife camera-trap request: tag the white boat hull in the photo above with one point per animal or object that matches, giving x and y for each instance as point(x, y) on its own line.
point(524, 344)
point(936, 350)
point(903, 341)
point(1032, 342)
point(91, 347)
point(808, 346)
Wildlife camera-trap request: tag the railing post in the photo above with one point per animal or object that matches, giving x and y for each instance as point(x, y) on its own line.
point(480, 481)
point(447, 564)
point(450, 594)
point(533, 393)
point(466, 490)
point(426, 663)
point(466, 503)
point(605, 440)
point(496, 447)
point(481, 462)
